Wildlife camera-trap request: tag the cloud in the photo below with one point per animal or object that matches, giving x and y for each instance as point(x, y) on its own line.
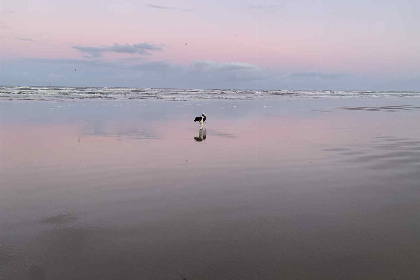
point(75, 62)
point(26, 39)
point(153, 6)
point(101, 72)
point(314, 76)
point(8, 12)
point(198, 74)
point(317, 81)
point(222, 66)
point(139, 49)
point(206, 74)
point(211, 71)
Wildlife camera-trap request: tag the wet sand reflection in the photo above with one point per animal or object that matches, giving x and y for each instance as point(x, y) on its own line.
point(305, 196)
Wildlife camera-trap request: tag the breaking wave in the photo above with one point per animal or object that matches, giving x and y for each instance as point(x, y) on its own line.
point(79, 93)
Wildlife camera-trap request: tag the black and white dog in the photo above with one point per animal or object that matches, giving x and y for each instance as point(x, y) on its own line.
point(201, 120)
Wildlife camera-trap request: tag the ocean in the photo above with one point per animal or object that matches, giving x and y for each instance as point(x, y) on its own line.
point(80, 93)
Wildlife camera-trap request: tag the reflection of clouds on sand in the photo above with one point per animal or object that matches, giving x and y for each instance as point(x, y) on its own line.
point(352, 153)
point(321, 111)
point(396, 154)
point(171, 208)
point(107, 129)
point(60, 219)
point(392, 108)
point(221, 134)
point(336, 149)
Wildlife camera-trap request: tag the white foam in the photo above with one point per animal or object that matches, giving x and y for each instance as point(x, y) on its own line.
point(80, 93)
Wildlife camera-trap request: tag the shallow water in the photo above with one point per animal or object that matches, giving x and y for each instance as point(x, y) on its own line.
point(287, 189)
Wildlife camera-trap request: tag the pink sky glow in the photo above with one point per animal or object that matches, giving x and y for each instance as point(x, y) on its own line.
point(370, 38)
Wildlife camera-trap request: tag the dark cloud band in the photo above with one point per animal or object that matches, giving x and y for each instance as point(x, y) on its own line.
point(140, 49)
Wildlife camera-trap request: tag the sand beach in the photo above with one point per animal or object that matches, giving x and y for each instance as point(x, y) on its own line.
point(297, 188)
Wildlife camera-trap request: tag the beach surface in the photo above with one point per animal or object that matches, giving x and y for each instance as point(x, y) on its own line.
point(299, 188)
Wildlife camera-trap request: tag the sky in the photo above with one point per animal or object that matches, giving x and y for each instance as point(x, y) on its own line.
point(264, 44)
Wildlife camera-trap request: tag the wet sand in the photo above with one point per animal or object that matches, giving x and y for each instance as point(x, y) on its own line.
point(294, 189)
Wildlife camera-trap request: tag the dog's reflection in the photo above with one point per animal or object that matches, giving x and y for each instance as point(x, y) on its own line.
point(201, 135)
